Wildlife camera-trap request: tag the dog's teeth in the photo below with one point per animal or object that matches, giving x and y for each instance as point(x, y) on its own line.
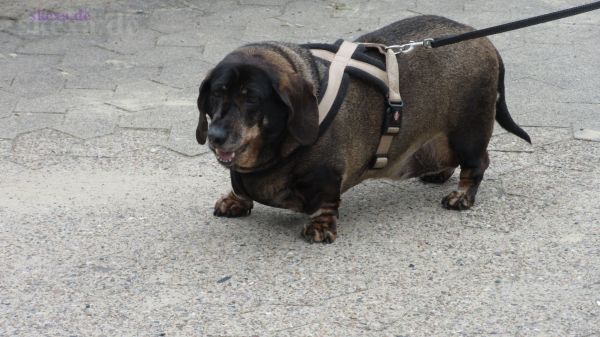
point(225, 157)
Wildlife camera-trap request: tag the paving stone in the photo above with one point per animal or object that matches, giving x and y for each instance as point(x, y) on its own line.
point(140, 95)
point(540, 136)
point(323, 25)
point(161, 55)
point(120, 144)
point(557, 114)
point(546, 188)
point(64, 100)
point(215, 51)
point(50, 29)
point(9, 44)
point(182, 139)
point(557, 34)
point(503, 162)
point(503, 8)
point(89, 80)
point(5, 147)
point(7, 23)
point(242, 16)
point(7, 103)
point(183, 73)
point(158, 118)
point(113, 23)
point(544, 74)
point(367, 11)
point(59, 45)
point(212, 8)
point(449, 8)
point(270, 29)
point(90, 121)
point(131, 43)
point(575, 155)
point(15, 64)
point(261, 2)
point(588, 134)
point(29, 151)
point(19, 123)
point(39, 83)
point(355, 8)
point(182, 39)
point(171, 20)
point(92, 59)
point(129, 74)
point(5, 83)
point(143, 6)
point(320, 16)
point(186, 97)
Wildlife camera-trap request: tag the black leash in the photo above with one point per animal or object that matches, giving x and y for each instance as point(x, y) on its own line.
point(447, 40)
point(444, 41)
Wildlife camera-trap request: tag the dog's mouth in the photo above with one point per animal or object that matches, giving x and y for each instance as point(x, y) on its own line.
point(224, 156)
point(227, 158)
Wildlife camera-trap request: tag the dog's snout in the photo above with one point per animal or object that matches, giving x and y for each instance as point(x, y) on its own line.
point(217, 135)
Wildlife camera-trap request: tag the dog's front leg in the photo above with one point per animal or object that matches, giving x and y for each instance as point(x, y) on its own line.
point(232, 205)
point(321, 193)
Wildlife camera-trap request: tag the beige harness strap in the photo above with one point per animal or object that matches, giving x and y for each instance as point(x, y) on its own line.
point(391, 77)
point(368, 68)
point(392, 127)
point(391, 65)
point(336, 73)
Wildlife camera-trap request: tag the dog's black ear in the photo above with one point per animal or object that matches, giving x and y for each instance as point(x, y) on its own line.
point(204, 108)
point(303, 115)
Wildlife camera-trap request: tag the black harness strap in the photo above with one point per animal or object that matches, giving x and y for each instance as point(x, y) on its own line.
point(359, 54)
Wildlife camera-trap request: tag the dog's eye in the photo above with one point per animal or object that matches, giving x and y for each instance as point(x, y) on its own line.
point(219, 91)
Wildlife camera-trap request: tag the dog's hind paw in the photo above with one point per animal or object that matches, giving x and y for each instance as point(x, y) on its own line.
point(322, 228)
point(232, 206)
point(458, 200)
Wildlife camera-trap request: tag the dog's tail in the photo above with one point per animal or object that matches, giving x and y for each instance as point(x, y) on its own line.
point(502, 116)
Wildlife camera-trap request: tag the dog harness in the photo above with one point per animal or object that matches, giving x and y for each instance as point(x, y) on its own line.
point(350, 58)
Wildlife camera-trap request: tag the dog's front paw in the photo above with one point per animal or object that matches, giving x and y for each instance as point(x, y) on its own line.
point(322, 228)
point(458, 200)
point(232, 206)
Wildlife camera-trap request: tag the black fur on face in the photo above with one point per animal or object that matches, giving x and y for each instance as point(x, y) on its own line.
point(248, 116)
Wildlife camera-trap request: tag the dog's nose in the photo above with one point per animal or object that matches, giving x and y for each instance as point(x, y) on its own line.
point(217, 135)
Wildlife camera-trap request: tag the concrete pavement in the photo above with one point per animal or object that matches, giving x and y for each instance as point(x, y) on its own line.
point(106, 199)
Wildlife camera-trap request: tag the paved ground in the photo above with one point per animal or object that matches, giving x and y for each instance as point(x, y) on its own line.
point(105, 198)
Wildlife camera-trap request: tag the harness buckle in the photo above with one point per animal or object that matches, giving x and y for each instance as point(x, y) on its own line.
point(409, 47)
point(379, 162)
point(393, 117)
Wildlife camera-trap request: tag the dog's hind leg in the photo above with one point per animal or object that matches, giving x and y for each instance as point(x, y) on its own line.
point(469, 137)
point(438, 178)
point(473, 159)
point(434, 162)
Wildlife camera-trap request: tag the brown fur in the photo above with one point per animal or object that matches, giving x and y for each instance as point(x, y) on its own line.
point(450, 98)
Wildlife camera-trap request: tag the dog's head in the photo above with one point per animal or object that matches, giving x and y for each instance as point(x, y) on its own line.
point(254, 107)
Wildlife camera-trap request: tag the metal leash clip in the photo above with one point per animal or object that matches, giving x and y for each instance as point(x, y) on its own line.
point(409, 47)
